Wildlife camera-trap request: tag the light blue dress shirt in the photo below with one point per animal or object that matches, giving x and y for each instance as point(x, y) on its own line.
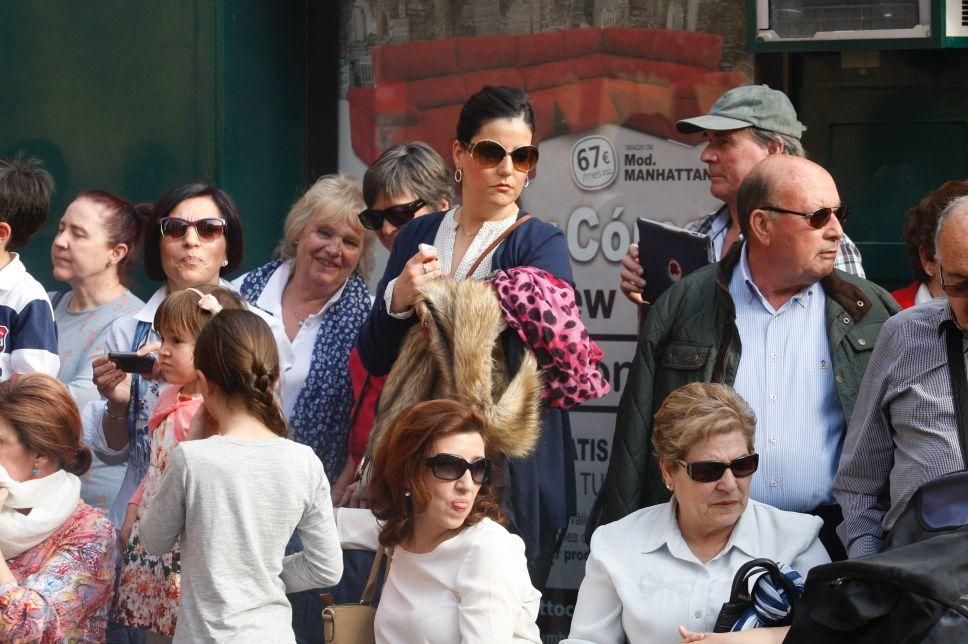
point(785, 374)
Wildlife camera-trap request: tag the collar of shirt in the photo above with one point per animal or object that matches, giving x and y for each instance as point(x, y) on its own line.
point(13, 273)
point(741, 284)
point(948, 319)
point(719, 223)
point(665, 532)
point(270, 300)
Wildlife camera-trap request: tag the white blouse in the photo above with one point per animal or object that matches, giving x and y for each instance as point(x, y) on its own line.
point(473, 588)
point(642, 581)
point(301, 347)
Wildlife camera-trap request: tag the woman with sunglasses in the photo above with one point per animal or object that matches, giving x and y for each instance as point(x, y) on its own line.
point(406, 181)
point(193, 236)
point(672, 565)
point(493, 155)
point(455, 573)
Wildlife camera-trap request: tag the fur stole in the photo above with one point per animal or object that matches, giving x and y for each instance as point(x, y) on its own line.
point(455, 353)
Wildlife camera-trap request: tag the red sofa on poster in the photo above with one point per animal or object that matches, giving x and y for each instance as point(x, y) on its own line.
point(576, 79)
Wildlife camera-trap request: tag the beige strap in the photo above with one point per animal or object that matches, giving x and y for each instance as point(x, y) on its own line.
point(497, 241)
point(367, 597)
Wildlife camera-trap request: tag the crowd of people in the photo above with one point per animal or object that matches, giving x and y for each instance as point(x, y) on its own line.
point(204, 466)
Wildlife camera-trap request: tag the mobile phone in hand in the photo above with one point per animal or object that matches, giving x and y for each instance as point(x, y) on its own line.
point(131, 362)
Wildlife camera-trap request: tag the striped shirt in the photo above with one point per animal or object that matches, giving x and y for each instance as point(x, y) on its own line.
point(28, 337)
point(903, 432)
point(786, 375)
point(715, 225)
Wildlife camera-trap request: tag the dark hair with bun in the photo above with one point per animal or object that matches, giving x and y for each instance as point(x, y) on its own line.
point(492, 103)
point(45, 417)
point(237, 352)
point(123, 223)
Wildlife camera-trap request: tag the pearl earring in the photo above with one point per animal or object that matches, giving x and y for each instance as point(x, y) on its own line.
point(225, 263)
point(406, 493)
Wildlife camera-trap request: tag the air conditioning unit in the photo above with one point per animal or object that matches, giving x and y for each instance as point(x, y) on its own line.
point(800, 25)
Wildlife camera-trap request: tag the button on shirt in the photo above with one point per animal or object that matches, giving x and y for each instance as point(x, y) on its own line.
point(903, 432)
point(785, 374)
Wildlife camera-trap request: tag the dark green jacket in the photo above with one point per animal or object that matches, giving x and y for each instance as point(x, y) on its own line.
point(690, 335)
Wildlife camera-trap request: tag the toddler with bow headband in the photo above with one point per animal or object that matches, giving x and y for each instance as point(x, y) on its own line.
point(149, 587)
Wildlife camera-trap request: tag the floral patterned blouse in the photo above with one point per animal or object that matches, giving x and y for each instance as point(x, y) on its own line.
point(66, 583)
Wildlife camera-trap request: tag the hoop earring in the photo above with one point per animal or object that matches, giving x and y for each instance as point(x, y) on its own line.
point(458, 175)
point(527, 181)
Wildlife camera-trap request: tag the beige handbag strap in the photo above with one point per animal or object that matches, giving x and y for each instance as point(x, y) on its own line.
point(367, 597)
point(497, 241)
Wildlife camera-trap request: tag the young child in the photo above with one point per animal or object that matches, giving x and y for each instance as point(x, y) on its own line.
point(149, 587)
point(28, 338)
point(240, 494)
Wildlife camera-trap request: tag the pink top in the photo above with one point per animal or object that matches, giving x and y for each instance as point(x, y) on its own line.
point(181, 409)
point(66, 583)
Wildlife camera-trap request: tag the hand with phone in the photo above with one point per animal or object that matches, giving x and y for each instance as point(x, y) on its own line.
point(111, 377)
point(420, 269)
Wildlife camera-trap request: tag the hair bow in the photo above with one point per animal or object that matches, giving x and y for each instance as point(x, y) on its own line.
point(207, 301)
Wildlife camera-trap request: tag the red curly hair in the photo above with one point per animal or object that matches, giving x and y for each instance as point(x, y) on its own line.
point(399, 465)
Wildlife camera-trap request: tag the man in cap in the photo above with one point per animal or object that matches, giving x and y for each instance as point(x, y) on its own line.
point(774, 320)
point(744, 126)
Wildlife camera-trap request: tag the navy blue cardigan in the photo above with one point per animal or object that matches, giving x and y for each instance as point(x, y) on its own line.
point(543, 485)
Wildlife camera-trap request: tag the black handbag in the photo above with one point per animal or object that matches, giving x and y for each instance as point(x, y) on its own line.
point(741, 595)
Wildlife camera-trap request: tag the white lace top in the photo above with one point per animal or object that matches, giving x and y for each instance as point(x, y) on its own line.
point(444, 243)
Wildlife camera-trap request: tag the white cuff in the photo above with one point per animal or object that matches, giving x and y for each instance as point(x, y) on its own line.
point(388, 297)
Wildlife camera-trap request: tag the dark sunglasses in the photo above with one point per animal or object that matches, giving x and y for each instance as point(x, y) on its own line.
point(208, 229)
point(819, 217)
point(372, 218)
point(448, 467)
point(709, 471)
point(489, 154)
point(953, 290)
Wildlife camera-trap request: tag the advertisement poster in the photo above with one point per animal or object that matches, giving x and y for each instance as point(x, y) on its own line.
point(607, 80)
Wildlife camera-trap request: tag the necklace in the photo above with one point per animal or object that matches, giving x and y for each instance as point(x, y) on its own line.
point(460, 226)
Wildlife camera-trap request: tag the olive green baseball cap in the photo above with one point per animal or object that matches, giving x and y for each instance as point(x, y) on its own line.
point(748, 106)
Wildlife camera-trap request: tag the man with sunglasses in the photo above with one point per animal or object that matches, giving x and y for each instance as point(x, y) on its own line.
point(904, 431)
point(743, 127)
point(778, 323)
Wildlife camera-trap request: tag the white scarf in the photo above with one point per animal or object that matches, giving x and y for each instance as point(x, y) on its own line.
point(52, 500)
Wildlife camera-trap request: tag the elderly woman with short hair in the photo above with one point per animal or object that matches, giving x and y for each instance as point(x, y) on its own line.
point(672, 565)
point(317, 287)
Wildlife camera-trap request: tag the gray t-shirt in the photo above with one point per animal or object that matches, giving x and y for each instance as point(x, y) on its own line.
point(81, 337)
point(235, 503)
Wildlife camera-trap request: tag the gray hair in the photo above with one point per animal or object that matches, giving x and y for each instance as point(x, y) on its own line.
point(409, 167)
point(954, 206)
point(791, 145)
point(339, 199)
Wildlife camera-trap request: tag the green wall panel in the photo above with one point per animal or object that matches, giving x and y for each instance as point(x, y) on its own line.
point(135, 97)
